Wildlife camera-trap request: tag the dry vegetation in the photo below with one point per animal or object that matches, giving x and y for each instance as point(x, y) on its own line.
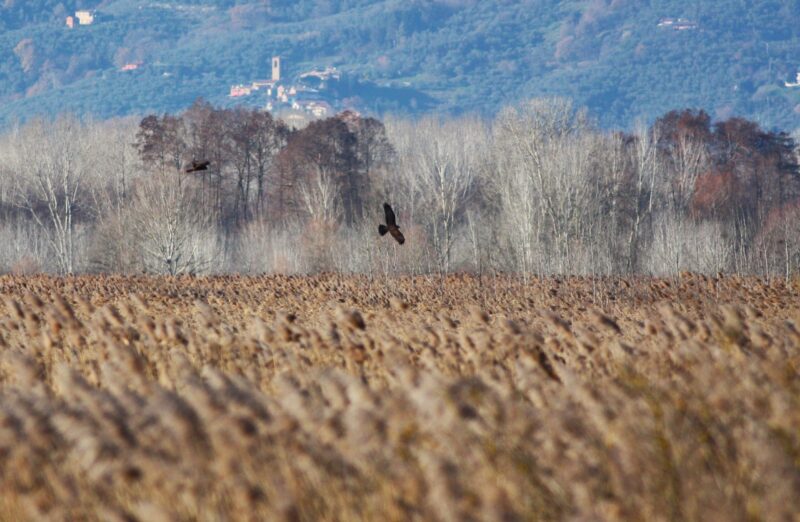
point(340, 398)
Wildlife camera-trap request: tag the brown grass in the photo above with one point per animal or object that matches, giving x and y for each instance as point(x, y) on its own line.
point(337, 398)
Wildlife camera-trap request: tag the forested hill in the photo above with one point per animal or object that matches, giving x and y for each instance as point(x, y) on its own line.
point(624, 59)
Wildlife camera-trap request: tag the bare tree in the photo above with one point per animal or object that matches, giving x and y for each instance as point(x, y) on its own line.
point(243, 133)
point(680, 244)
point(25, 247)
point(162, 142)
point(614, 164)
point(546, 179)
point(320, 195)
point(520, 214)
point(115, 161)
point(175, 234)
point(269, 138)
point(646, 167)
point(439, 163)
point(688, 158)
point(115, 167)
point(50, 163)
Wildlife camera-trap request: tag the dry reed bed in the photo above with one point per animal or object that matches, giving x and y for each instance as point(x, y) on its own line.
point(341, 398)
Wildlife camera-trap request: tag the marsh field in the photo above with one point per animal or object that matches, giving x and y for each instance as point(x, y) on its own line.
point(407, 398)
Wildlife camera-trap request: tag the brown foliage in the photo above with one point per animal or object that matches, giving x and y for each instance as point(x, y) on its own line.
point(716, 194)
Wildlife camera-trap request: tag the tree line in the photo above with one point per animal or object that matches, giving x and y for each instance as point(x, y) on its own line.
point(540, 189)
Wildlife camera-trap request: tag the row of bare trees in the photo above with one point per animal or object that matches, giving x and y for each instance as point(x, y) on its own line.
point(539, 190)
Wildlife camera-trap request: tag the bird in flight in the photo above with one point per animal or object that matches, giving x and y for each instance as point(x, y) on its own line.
point(391, 225)
point(198, 165)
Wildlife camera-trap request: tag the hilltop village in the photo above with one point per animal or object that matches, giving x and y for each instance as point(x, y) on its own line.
point(307, 93)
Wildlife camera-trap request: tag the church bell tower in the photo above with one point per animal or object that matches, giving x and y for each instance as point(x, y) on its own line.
point(276, 68)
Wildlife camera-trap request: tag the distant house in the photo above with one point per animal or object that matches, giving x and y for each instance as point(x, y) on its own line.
point(85, 17)
point(321, 74)
point(318, 78)
point(677, 24)
point(130, 66)
point(795, 83)
point(318, 108)
point(70, 22)
point(282, 94)
point(240, 90)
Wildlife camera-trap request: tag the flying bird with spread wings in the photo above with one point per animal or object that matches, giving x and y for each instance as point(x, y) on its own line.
point(391, 225)
point(198, 165)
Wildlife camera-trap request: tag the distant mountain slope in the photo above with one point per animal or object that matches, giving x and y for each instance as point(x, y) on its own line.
point(625, 59)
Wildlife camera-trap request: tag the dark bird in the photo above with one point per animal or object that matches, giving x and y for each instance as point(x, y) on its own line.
point(198, 165)
point(391, 225)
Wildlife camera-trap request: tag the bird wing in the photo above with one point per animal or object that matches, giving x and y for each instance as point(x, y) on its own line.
point(198, 165)
point(390, 219)
point(395, 232)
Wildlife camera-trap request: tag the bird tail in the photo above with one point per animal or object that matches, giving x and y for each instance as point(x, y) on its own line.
point(382, 230)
